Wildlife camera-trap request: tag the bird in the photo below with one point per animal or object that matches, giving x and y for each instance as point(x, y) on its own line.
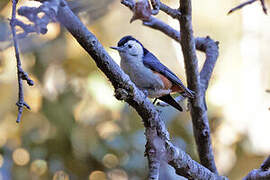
point(148, 73)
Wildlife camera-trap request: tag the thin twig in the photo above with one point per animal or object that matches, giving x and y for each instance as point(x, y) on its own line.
point(260, 174)
point(155, 6)
point(266, 164)
point(20, 72)
point(39, 26)
point(241, 5)
point(163, 27)
point(263, 6)
point(247, 3)
point(174, 13)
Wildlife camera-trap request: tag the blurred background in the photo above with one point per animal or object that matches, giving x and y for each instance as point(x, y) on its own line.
point(78, 130)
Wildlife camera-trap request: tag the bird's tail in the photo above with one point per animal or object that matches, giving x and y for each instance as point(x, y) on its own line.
point(169, 100)
point(188, 93)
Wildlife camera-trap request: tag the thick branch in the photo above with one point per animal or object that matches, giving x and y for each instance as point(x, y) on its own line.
point(198, 110)
point(182, 164)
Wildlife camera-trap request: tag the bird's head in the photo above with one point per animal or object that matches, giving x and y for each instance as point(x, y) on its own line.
point(129, 47)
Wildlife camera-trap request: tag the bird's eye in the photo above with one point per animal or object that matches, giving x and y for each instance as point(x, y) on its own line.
point(129, 46)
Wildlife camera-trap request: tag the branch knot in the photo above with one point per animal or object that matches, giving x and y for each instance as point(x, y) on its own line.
point(121, 94)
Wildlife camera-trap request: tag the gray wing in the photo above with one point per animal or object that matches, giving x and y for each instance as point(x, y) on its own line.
point(154, 64)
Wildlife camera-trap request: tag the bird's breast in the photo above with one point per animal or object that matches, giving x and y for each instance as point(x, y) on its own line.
point(143, 77)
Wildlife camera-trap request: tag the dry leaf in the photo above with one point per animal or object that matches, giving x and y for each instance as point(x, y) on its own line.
point(142, 11)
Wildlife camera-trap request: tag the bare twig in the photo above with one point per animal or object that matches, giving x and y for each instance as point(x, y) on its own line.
point(174, 13)
point(247, 3)
point(155, 6)
point(198, 110)
point(257, 174)
point(262, 173)
point(20, 72)
point(210, 48)
point(266, 164)
point(241, 5)
point(39, 26)
point(163, 27)
point(128, 3)
point(263, 6)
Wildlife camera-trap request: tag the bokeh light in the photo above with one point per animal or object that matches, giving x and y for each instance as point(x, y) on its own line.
point(39, 167)
point(110, 160)
point(107, 130)
point(60, 175)
point(1, 160)
point(97, 175)
point(3, 138)
point(117, 174)
point(21, 156)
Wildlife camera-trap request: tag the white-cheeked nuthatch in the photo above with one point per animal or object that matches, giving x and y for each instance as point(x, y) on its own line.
point(148, 73)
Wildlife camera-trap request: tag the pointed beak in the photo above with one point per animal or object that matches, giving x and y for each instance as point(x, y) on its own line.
point(117, 48)
point(132, 19)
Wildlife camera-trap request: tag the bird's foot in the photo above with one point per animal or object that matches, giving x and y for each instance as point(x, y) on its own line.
point(145, 92)
point(155, 100)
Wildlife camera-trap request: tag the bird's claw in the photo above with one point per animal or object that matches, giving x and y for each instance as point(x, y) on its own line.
point(145, 92)
point(155, 100)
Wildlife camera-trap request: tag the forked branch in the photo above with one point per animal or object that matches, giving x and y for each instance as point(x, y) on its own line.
point(21, 74)
point(247, 3)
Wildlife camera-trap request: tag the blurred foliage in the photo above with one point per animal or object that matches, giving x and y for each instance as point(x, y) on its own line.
point(77, 129)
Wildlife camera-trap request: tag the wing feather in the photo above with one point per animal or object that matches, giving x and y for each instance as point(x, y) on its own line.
point(154, 64)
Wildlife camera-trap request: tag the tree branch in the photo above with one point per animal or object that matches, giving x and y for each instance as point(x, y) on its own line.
point(163, 27)
point(247, 3)
point(20, 72)
point(198, 110)
point(210, 48)
point(266, 164)
point(260, 174)
point(155, 6)
point(39, 26)
point(174, 13)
